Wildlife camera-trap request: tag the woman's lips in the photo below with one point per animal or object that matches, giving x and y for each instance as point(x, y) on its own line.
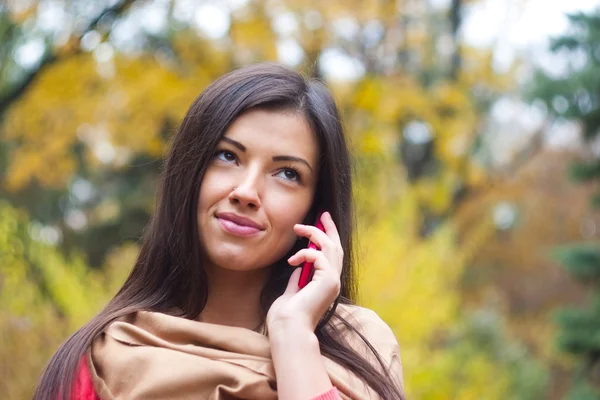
point(237, 230)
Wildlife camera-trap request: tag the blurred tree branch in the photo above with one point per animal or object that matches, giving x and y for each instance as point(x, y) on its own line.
point(455, 21)
point(51, 56)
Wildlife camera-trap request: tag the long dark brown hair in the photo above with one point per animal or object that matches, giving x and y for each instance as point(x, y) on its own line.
point(168, 273)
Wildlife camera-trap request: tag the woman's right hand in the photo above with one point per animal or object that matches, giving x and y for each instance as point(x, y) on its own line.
point(303, 308)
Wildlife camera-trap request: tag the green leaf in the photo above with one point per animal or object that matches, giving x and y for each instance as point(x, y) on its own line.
point(582, 260)
point(581, 172)
point(595, 200)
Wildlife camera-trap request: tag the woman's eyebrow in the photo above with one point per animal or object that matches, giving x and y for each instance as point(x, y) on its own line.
point(292, 158)
point(275, 158)
point(235, 143)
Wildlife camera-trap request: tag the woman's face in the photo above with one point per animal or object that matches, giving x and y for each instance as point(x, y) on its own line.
point(260, 183)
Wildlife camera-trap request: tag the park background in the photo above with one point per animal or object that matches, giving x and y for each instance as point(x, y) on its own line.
point(474, 129)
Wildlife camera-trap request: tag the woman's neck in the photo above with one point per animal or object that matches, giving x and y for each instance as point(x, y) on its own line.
point(234, 297)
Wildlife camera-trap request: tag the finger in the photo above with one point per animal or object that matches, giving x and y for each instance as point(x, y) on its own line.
point(336, 252)
point(331, 228)
point(310, 255)
point(314, 234)
point(292, 286)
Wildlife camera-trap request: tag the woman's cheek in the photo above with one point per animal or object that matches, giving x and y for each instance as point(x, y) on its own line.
point(218, 182)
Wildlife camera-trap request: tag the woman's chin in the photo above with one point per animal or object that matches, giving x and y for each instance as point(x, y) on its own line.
point(237, 261)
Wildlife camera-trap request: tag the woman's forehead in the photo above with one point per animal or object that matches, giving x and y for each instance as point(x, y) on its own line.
point(274, 132)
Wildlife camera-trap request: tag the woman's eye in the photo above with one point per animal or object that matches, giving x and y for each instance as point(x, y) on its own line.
point(225, 155)
point(290, 174)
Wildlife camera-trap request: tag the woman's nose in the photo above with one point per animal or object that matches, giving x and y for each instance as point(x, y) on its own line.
point(246, 193)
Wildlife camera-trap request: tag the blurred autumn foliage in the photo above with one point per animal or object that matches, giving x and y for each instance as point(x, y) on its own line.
point(85, 124)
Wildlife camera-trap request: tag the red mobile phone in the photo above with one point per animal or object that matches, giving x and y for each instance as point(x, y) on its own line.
point(308, 267)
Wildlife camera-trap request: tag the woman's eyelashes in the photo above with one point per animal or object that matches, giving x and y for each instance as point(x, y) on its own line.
point(291, 174)
point(226, 155)
point(288, 172)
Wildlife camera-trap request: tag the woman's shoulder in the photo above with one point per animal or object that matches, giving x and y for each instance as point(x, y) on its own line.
point(364, 318)
point(376, 332)
point(368, 323)
point(359, 312)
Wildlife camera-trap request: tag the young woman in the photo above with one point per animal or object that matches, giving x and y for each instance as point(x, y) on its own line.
point(212, 308)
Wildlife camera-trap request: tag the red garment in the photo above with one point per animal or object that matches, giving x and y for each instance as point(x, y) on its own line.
point(84, 388)
point(329, 395)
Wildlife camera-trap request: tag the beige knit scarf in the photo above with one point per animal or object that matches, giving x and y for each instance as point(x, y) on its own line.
point(156, 356)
